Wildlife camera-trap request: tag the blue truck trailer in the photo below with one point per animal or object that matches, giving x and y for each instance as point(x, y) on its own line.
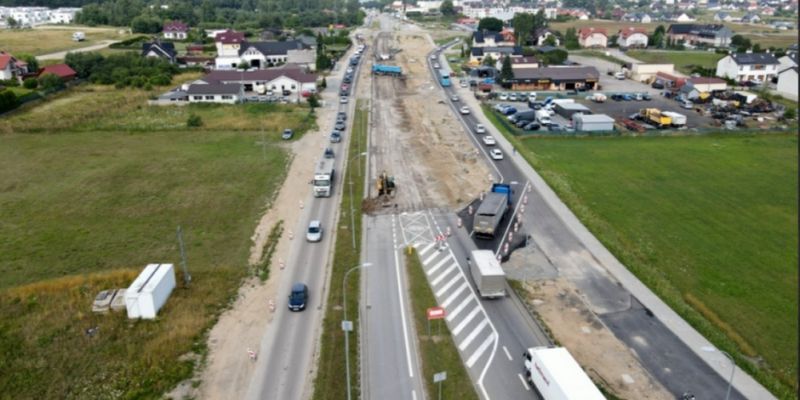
point(381, 69)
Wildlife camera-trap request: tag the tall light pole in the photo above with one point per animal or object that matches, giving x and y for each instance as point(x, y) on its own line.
point(350, 177)
point(347, 326)
point(710, 349)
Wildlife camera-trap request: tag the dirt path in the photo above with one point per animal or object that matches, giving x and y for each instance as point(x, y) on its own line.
point(415, 136)
point(228, 370)
point(59, 55)
point(597, 350)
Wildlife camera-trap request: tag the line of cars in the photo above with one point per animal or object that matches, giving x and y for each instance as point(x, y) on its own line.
point(489, 140)
point(631, 97)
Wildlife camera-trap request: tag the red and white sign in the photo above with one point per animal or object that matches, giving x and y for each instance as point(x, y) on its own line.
point(436, 313)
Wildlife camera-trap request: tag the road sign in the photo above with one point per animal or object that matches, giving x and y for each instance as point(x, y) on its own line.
point(439, 377)
point(436, 313)
point(347, 326)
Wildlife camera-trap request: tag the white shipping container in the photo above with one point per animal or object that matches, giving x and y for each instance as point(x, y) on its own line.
point(149, 291)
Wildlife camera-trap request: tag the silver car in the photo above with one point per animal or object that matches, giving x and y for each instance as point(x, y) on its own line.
point(314, 232)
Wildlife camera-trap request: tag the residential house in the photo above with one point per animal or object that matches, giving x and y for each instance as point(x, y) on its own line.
point(159, 49)
point(716, 35)
point(541, 35)
point(175, 30)
point(554, 78)
point(722, 17)
point(496, 53)
point(643, 18)
point(742, 67)
point(228, 43)
point(281, 81)
point(10, 67)
point(268, 54)
point(524, 62)
point(226, 93)
point(617, 13)
point(64, 15)
point(492, 39)
point(787, 61)
point(751, 19)
point(632, 37)
point(683, 17)
point(787, 83)
point(593, 37)
point(62, 71)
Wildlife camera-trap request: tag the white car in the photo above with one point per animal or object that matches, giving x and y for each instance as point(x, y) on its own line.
point(349, 70)
point(496, 154)
point(454, 98)
point(503, 96)
point(314, 233)
point(489, 141)
point(512, 97)
point(464, 84)
point(480, 128)
point(532, 96)
point(464, 110)
point(343, 99)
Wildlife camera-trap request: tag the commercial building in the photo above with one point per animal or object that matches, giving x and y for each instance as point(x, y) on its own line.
point(647, 72)
point(554, 78)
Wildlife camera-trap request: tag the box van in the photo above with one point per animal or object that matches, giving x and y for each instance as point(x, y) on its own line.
point(543, 117)
point(298, 297)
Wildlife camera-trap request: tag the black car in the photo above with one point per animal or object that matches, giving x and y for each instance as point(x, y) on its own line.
point(532, 126)
point(617, 97)
point(341, 116)
point(347, 79)
point(329, 152)
point(298, 297)
point(657, 85)
point(336, 137)
point(521, 123)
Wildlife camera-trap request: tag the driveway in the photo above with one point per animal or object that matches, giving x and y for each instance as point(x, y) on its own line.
point(62, 54)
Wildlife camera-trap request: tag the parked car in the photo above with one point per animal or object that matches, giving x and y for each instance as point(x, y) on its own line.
point(512, 97)
point(336, 137)
point(489, 140)
point(436, 66)
point(328, 152)
point(657, 85)
point(298, 297)
point(500, 107)
point(620, 75)
point(509, 111)
point(464, 110)
point(454, 98)
point(340, 126)
point(646, 97)
point(480, 128)
point(343, 100)
point(638, 97)
point(496, 154)
point(520, 123)
point(503, 96)
point(616, 97)
point(341, 116)
point(287, 134)
point(463, 84)
point(314, 231)
point(687, 104)
point(555, 127)
point(627, 97)
point(532, 126)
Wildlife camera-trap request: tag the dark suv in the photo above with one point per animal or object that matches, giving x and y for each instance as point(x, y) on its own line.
point(299, 297)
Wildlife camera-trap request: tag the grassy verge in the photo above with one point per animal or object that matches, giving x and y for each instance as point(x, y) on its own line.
point(601, 55)
point(438, 351)
point(331, 382)
point(683, 60)
point(263, 266)
point(708, 223)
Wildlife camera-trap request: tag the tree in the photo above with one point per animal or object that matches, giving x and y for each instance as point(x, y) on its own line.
point(324, 83)
point(555, 57)
point(489, 61)
point(243, 65)
point(506, 72)
point(523, 27)
point(550, 40)
point(8, 100)
point(30, 83)
point(33, 63)
point(323, 62)
point(313, 102)
point(741, 43)
point(50, 81)
point(447, 8)
point(12, 23)
point(490, 24)
point(789, 113)
point(84, 63)
point(571, 39)
point(146, 24)
point(756, 48)
point(657, 38)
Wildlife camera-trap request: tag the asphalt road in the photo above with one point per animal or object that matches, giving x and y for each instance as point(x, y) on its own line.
point(286, 354)
point(665, 353)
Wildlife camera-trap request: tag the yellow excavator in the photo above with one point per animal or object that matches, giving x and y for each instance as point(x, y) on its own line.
point(385, 184)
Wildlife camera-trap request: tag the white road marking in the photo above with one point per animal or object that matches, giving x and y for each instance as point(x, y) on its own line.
point(458, 309)
point(443, 275)
point(473, 335)
point(454, 295)
point(525, 384)
point(425, 249)
point(402, 308)
point(431, 258)
point(480, 350)
point(448, 286)
point(507, 353)
point(413, 395)
point(466, 320)
point(439, 264)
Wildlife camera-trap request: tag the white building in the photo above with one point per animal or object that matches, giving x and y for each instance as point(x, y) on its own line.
point(787, 61)
point(64, 15)
point(214, 93)
point(32, 16)
point(592, 37)
point(787, 83)
point(632, 37)
point(742, 67)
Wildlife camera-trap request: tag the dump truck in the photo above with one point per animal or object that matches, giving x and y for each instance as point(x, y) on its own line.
point(488, 275)
point(655, 117)
point(381, 69)
point(678, 120)
point(491, 211)
point(323, 178)
point(557, 376)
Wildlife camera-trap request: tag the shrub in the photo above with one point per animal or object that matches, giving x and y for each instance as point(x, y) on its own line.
point(30, 83)
point(194, 121)
point(8, 100)
point(51, 81)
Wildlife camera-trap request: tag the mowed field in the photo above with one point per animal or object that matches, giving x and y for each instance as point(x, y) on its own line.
point(761, 34)
point(683, 60)
point(710, 223)
point(50, 39)
point(93, 185)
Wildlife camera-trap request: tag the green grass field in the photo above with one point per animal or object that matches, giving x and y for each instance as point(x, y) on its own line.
point(93, 185)
point(50, 39)
point(710, 223)
point(683, 60)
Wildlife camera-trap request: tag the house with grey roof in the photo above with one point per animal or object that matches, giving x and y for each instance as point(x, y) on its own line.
point(159, 49)
point(716, 35)
point(741, 67)
point(267, 54)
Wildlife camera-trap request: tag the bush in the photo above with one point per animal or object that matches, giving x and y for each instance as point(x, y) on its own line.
point(51, 81)
point(194, 121)
point(8, 100)
point(30, 83)
point(9, 83)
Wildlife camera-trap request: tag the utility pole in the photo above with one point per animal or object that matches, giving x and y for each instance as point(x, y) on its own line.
point(186, 277)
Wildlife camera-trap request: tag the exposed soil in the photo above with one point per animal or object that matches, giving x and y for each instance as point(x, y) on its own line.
point(415, 136)
point(606, 359)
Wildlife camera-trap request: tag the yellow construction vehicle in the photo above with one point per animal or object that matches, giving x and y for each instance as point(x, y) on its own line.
point(655, 117)
point(385, 184)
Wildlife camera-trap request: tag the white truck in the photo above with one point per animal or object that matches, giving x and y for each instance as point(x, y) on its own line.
point(78, 36)
point(543, 117)
point(557, 376)
point(323, 178)
point(678, 120)
point(487, 273)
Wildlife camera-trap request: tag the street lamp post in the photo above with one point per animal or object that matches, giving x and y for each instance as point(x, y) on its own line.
point(352, 217)
point(733, 367)
point(347, 326)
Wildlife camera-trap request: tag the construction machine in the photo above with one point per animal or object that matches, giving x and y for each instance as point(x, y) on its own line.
point(385, 184)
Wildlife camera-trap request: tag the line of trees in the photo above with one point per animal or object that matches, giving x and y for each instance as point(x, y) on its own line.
point(122, 70)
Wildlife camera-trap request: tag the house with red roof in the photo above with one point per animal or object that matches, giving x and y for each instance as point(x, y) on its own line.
point(175, 30)
point(632, 37)
point(62, 71)
point(593, 37)
point(11, 67)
